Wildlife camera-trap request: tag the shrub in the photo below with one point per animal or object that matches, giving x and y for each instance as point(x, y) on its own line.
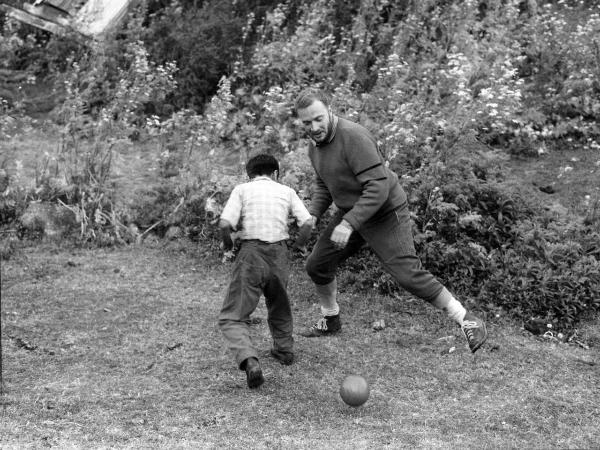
point(552, 272)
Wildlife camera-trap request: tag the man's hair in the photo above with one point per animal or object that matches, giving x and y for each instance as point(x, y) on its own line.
point(263, 164)
point(308, 96)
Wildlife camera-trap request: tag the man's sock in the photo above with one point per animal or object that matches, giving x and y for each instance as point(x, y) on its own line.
point(327, 294)
point(446, 301)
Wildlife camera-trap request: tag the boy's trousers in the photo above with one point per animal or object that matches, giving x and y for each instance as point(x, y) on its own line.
point(260, 268)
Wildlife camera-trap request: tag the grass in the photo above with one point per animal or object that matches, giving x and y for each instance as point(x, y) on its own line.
point(119, 348)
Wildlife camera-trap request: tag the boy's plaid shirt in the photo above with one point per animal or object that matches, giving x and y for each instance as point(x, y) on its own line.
point(260, 210)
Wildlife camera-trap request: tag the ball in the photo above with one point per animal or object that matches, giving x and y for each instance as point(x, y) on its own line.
point(354, 390)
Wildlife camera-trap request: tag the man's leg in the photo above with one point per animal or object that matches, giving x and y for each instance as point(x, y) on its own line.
point(391, 239)
point(234, 319)
point(321, 266)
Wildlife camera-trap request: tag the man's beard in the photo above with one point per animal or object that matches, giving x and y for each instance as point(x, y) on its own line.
point(326, 133)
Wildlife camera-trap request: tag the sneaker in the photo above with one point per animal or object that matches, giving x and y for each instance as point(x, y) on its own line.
point(254, 375)
point(474, 330)
point(324, 327)
point(285, 358)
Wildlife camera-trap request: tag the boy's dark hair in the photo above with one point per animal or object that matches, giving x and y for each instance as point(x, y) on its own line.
point(308, 96)
point(263, 164)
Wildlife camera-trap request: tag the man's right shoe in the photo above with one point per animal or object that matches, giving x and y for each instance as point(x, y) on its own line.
point(474, 330)
point(254, 375)
point(325, 326)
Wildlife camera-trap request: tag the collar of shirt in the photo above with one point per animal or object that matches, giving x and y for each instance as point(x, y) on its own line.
point(261, 177)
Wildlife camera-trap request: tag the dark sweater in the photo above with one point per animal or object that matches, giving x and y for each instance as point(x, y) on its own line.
point(351, 172)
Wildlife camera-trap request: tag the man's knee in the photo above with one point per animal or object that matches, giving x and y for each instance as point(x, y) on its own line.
point(311, 266)
point(318, 273)
point(411, 276)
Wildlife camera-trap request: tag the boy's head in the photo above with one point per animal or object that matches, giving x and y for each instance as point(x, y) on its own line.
point(262, 164)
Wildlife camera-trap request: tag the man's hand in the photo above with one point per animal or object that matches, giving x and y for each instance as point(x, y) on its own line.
point(341, 234)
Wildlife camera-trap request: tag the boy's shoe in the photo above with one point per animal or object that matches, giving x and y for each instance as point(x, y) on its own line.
point(325, 326)
point(254, 375)
point(285, 358)
point(474, 330)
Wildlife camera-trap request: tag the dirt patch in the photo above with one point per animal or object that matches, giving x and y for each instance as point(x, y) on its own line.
point(567, 178)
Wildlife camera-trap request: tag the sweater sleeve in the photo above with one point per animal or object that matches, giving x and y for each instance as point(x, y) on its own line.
point(321, 198)
point(369, 169)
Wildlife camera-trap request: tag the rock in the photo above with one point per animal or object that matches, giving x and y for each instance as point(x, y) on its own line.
point(378, 325)
point(4, 180)
point(48, 219)
point(557, 209)
point(174, 232)
point(133, 233)
point(537, 326)
point(548, 189)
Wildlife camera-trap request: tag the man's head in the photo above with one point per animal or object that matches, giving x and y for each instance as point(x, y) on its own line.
point(262, 164)
point(312, 109)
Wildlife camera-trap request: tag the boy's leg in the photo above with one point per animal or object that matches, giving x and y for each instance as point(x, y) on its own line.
point(240, 301)
point(278, 304)
point(391, 239)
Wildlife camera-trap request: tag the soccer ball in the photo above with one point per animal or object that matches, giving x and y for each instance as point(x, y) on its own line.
point(354, 390)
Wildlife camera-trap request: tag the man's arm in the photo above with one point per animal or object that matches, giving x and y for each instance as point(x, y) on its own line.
point(367, 163)
point(321, 198)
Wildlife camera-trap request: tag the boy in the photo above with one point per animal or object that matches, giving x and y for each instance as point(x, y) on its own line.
point(259, 211)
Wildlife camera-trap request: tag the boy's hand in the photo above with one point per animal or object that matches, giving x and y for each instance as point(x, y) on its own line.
point(226, 230)
point(304, 235)
point(304, 252)
point(228, 256)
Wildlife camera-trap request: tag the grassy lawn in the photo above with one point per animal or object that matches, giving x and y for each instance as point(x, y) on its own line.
point(119, 348)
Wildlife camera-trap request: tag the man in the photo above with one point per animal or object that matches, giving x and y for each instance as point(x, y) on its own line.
point(259, 210)
point(372, 207)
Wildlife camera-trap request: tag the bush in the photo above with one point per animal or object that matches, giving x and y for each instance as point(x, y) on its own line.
point(488, 244)
point(552, 272)
point(436, 82)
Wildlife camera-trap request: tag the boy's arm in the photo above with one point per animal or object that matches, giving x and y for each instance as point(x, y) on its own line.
point(304, 233)
point(226, 230)
point(304, 219)
point(230, 217)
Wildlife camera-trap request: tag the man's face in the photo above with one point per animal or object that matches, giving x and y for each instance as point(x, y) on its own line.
point(315, 119)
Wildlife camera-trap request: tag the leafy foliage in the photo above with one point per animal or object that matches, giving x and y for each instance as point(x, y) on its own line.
point(441, 84)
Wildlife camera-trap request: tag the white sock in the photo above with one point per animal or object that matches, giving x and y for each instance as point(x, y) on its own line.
point(446, 301)
point(327, 294)
point(330, 311)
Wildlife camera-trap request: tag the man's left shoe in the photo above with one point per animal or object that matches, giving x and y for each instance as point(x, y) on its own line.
point(325, 326)
point(474, 330)
point(285, 358)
